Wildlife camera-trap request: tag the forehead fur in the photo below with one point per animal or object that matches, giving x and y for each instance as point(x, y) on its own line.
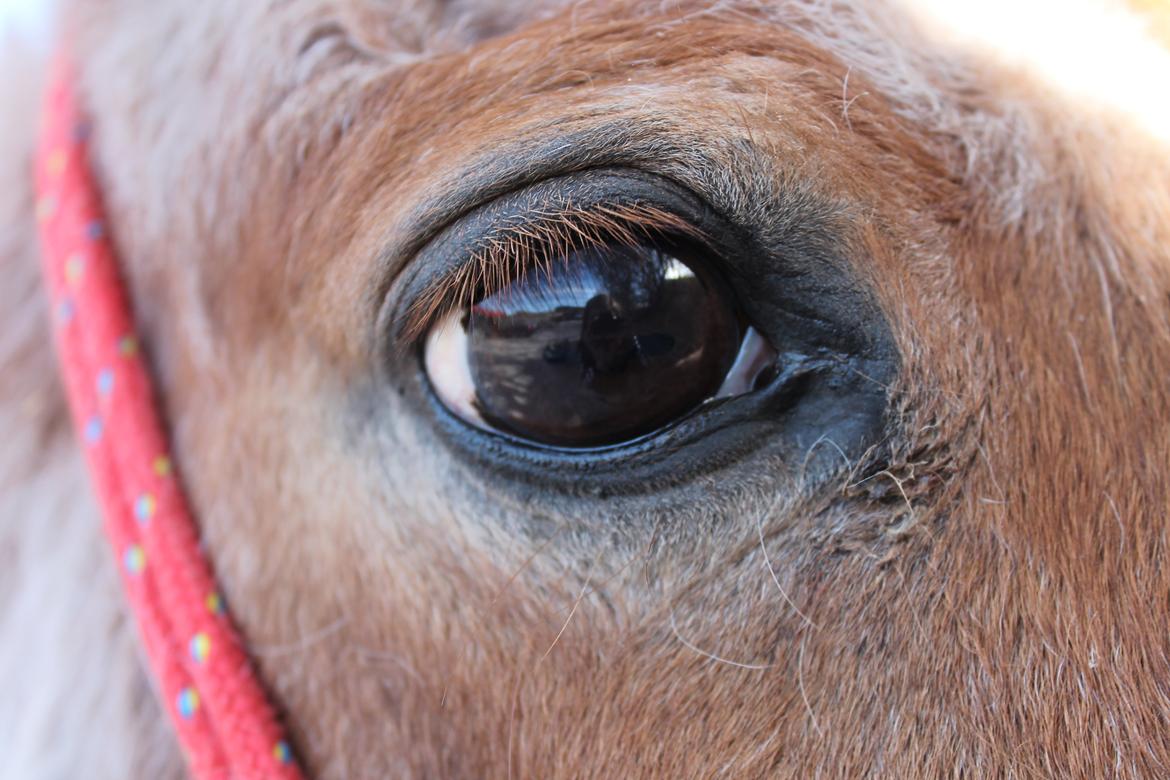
point(310, 58)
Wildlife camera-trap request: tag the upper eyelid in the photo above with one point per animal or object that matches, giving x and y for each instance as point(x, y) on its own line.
point(437, 238)
point(700, 180)
point(532, 242)
point(636, 145)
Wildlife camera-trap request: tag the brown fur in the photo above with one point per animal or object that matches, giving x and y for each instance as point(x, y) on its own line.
point(981, 595)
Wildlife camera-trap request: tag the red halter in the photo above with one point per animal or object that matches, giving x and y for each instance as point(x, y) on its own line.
point(219, 710)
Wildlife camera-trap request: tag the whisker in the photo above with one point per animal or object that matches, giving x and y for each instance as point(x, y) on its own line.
point(772, 571)
point(800, 683)
point(712, 656)
point(573, 611)
point(525, 564)
point(301, 644)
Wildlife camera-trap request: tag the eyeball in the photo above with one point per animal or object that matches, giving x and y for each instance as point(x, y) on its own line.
point(610, 344)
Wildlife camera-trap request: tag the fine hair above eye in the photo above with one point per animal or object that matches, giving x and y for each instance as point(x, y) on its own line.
point(534, 244)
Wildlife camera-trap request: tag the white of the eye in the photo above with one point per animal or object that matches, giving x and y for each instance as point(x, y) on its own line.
point(447, 366)
point(755, 354)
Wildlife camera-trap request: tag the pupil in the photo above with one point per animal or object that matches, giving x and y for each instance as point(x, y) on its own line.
point(611, 344)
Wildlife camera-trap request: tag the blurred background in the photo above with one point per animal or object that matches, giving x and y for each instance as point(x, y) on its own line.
point(24, 17)
point(19, 9)
point(27, 16)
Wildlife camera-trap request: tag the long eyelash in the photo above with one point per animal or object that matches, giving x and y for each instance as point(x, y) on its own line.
point(506, 256)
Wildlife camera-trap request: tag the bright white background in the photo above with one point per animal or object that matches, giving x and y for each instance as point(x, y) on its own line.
point(21, 16)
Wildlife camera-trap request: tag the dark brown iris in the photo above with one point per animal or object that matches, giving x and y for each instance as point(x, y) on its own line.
point(611, 344)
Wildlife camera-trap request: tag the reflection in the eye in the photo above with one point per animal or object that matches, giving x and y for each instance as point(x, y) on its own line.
point(608, 345)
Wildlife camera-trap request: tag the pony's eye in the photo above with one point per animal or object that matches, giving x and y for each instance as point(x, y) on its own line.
point(603, 346)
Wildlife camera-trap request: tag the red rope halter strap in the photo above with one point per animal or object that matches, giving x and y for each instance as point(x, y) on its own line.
point(224, 721)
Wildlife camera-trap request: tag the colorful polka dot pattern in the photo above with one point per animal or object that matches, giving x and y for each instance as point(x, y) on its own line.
point(282, 752)
point(187, 703)
point(223, 720)
point(200, 647)
point(134, 559)
point(144, 508)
